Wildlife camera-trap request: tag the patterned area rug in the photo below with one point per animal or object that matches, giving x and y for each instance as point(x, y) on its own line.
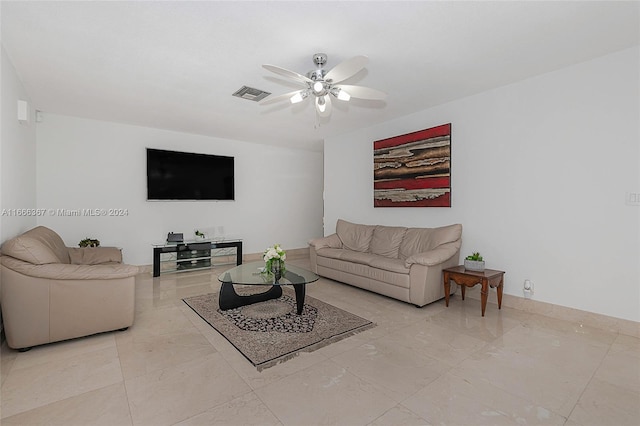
point(271, 332)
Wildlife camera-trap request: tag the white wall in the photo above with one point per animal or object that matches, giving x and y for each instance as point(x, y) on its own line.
point(539, 175)
point(88, 164)
point(17, 156)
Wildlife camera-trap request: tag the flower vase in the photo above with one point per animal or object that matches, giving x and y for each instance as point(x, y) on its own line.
point(277, 267)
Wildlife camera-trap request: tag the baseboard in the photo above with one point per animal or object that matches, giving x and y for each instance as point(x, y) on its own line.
point(602, 322)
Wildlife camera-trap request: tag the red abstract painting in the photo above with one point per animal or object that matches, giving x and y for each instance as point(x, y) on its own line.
point(413, 170)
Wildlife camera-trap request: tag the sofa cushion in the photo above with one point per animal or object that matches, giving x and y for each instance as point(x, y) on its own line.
point(357, 257)
point(386, 240)
point(346, 255)
point(420, 240)
point(94, 255)
point(354, 236)
point(445, 234)
point(416, 240)
point(60, 271)
point(38, 246)
point(387, 264)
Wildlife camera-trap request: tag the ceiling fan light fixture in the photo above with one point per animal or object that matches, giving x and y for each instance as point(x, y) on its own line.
point(343, 96)
point(321, 104)
point(299, 97)
point(318, 88)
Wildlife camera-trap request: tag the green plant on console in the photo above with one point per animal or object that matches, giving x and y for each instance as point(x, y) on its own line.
point(475, 257)
point(89, 242)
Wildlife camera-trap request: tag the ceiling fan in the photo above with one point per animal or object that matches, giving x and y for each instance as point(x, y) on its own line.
point(322, 85)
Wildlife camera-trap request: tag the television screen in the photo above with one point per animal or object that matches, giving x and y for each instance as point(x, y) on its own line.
point(173, 175)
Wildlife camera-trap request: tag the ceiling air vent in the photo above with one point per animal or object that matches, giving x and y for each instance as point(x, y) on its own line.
point(251, 94)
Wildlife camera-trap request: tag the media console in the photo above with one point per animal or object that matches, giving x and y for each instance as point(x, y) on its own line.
point(192, 255)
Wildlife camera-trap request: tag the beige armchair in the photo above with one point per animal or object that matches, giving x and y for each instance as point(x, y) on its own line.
point(51, 292)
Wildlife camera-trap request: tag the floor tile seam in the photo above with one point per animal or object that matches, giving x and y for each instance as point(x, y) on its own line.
point(586, 386)
point(615, 385)
point(266, 405)
point(419, 352)
point(393, 395)
point(126, 395)
point(6, 374)
point(75, 395)
point(177, 365)
point(173, 365)
point(513, 394)
point(401, 404)
point(80, 356)
point(155, 310)
point(221, 404)
point(444, 373)
point(491, 347)
point(127, 382)
point(518, 395)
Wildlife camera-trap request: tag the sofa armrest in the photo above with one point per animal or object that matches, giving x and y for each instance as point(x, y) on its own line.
point(330, 241)
point(64, 271)
point(436, 256)
point(94, 255)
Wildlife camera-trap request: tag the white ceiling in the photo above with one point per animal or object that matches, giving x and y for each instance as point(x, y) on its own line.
point(174, 65)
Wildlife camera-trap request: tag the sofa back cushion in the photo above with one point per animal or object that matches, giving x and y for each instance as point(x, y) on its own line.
point(38, 246)
point(386, 240)
point(420, 240)
point(354, 236)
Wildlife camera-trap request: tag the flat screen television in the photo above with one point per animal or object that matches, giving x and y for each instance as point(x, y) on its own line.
point(173, 175)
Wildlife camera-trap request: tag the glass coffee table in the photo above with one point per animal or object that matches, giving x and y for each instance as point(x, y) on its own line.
point(251, 274)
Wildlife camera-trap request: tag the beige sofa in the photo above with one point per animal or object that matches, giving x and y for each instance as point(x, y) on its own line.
point(51, 292)
point(403, 263)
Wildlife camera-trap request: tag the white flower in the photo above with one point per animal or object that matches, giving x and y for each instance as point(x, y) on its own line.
point(274, 252)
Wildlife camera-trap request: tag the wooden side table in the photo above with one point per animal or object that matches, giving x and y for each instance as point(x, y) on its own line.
point(464, 278)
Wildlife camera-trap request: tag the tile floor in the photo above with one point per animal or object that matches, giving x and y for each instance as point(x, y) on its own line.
point(434, 365)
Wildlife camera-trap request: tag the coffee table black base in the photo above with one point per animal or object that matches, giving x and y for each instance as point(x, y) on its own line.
point(229, 299)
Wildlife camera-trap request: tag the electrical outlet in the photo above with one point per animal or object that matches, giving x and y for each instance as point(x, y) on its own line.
point(527, 289)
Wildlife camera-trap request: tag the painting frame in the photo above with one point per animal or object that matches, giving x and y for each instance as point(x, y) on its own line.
point(413, 169)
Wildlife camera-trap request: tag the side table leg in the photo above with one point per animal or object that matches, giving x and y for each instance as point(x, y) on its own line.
point(447, 288)
point(499, 291)
point(484, 293)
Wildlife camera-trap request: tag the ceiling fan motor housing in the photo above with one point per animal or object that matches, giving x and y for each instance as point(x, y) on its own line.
point(320, 59)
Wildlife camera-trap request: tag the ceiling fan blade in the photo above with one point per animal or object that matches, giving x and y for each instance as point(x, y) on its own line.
point(326, 111)
point(362, 92)
point(347, 69)
point(279, 98)
point(286, 73)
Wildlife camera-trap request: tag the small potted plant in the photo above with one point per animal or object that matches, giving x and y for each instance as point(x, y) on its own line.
point(474, 262)
point(89, 242)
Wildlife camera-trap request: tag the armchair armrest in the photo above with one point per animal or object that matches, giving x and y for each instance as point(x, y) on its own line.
point(64, 271)
point(436, 256)
point(94, 255)
point(330, 241)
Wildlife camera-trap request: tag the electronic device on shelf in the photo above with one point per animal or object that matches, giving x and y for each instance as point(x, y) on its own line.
point(175, 238)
